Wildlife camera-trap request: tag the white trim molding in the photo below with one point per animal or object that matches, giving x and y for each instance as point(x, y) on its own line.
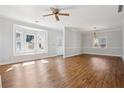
point(102, 54)
point(109, 51)
point(29, 31)
point(19, 60)
point(72, 51)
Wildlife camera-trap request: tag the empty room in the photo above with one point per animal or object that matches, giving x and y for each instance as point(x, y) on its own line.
point(61, 46)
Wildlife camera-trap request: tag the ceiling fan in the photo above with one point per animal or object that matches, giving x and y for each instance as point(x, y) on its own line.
point(56, 13)
point(120, 8)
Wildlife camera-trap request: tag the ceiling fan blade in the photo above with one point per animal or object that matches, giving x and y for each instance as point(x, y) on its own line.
point(56, 16)
point(64, 14)
point(52, 8)
point(120, 8)
point(47, 15)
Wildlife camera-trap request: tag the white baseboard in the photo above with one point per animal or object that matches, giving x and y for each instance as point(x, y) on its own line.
point(13, 61)
point(93, 54)
point(65, 56)
point(102, 54)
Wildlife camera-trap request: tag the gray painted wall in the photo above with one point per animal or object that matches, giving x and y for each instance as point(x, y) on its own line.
point(75, 42)
point(72, 42)
point(6, 42)
point(114, 42)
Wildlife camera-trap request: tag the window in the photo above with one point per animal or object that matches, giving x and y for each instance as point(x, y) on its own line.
point(29, 40)
point(18, 41)
point(100, 42)
point(41, 41)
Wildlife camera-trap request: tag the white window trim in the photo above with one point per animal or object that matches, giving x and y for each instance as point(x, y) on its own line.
point(15, 37)
point(15, 53)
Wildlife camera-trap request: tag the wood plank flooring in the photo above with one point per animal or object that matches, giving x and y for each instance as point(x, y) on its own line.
point(83, 71)
point(0, 82)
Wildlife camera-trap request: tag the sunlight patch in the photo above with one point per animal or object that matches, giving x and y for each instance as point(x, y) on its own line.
point(10, 69)
point(28, 63)
point(44, 61)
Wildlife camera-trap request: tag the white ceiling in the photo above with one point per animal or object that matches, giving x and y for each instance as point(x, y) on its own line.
point(83, 16)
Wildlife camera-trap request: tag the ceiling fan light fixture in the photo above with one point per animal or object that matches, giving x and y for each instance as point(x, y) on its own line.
point(56, 12)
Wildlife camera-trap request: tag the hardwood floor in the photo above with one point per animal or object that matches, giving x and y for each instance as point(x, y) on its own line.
point(0, 82)
point(74, 72)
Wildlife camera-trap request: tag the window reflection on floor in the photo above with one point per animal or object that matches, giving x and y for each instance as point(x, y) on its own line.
point(28, 63)
point(44, 61)
point(99, 64)
point(10, 69)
